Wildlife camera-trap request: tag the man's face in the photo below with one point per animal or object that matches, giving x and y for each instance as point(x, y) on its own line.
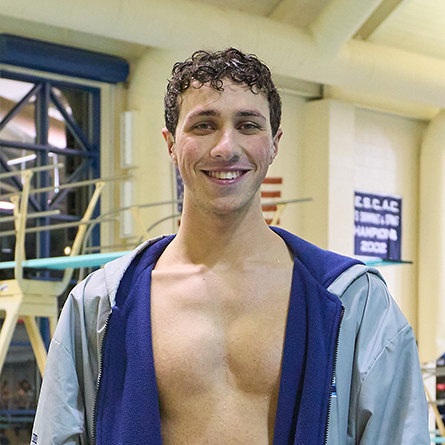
point(223, 145)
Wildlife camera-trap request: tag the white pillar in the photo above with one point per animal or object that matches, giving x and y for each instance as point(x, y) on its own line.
point(432, 242)
point(329, 175)
point(153, 179)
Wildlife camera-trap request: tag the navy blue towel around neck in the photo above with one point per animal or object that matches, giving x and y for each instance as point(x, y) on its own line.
point(128, 406)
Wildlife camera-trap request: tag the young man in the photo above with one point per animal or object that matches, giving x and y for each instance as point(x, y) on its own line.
point(232, 332)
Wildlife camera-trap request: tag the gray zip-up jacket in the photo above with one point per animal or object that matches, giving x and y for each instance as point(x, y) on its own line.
point(379, 397)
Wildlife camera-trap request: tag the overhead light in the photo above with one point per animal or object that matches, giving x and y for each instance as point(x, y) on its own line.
point(21, 159)
point(5, 205)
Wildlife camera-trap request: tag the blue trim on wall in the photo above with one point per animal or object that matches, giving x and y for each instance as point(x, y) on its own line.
point(62, 59)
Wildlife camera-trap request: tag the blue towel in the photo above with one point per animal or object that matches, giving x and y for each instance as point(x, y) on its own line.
point(128, 409)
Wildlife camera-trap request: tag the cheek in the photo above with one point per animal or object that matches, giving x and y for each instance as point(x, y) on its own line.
point(263, 151)
point(188, 153)
point(186, 162)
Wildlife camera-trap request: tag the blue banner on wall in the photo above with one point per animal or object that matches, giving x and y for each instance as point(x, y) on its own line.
point(378, 226)
point(179, 189)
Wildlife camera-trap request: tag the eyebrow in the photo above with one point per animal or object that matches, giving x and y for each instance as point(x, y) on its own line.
point(203, 113)
point(214, 113)
point(250, 113)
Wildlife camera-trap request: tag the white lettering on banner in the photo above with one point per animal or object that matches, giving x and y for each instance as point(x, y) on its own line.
point(392, 220)
point(377, 218)
point(373, 247)
point(377, 204)
point(373, 218)
point(377, 225)
point(381, 233)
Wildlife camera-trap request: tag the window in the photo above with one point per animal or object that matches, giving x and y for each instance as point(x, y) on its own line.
point(45, 122)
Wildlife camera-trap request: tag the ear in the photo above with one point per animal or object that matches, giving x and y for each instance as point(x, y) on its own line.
point(275, 141)
point(170, 139)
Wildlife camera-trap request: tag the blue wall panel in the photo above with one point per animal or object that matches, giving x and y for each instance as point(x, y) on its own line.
point(62, 59)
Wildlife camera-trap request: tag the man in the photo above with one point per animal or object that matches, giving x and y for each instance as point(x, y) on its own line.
point(231, 332)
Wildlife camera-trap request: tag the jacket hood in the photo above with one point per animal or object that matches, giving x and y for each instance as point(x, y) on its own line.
point(115, 270)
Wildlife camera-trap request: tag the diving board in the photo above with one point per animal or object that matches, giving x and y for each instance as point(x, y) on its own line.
point(378, 262)
point(66, 262)
point(99, 259)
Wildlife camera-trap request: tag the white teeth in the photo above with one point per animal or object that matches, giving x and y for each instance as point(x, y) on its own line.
point(225, 175)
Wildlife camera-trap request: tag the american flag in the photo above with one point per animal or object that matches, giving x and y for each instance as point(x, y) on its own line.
point(270, 192)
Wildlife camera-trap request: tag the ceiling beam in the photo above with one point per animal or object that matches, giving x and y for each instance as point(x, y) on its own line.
point(386, 8)
point(283, 9)
point(339, 21)
point(289, 51)
point(280, 8)
point(299, 13)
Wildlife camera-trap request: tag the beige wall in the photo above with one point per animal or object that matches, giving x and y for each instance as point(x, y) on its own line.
point(328, 172)
point(338, 148)
point(153, 171)
point(289, 162)
point(432, 241)
point(386, 159)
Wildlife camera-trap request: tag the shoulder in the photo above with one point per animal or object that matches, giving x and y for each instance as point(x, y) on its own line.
point(325, 266)
point(363, 290)
point(372, 318)
point(375, 343)
point(84, 312)
point(366, 284)
point(90, 301)
point(146, 253)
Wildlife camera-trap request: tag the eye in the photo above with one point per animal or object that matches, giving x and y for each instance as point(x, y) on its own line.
point(249, 128)
point(203, 128)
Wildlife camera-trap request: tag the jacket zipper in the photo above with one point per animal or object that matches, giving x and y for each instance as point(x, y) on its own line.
point(333, 375)
point(99, 379)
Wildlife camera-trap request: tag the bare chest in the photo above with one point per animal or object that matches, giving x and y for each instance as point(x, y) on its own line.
point(205, 322)
point(218, 343)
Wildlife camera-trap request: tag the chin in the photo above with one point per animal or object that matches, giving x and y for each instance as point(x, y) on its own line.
point(231, 208)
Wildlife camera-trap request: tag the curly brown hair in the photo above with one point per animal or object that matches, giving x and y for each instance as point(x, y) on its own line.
point(213, 68)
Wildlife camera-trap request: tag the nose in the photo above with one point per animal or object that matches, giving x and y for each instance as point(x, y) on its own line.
point(226, 146)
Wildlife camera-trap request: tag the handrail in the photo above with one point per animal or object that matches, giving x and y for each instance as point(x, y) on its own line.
point(438, 371)
point(88, 224)
point(436, 412)
point(20, 225)
point(172, 201)
point(81, 231)
point(35, 215)
point(286, 201)
point(41, 168)
point(69, 185)
point(103, 218)
point(142, 206)
point(166, 218)
point(54, 226)
point(111, 247)
point(21, 198)
point(122, 209)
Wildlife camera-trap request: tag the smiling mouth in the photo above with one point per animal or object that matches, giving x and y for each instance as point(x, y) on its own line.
point(225, 175)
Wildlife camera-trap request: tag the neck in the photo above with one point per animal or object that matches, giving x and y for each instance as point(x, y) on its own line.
point(222, 239)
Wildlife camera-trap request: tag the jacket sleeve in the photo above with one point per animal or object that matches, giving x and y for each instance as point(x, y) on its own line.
point(60, 413)
point(65, 410)
point(389, 406)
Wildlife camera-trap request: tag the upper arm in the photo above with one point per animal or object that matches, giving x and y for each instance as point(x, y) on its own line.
point(65, 409)
point(388, 403)
point(60, 412)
